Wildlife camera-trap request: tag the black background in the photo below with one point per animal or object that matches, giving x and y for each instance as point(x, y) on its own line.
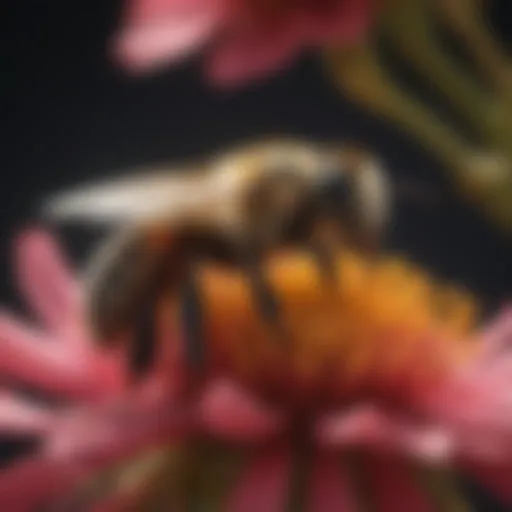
point(68, 115)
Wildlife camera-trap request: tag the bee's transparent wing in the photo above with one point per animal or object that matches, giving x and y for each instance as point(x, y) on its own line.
point(138, 198)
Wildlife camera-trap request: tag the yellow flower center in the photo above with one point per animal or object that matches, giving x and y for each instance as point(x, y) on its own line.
point(380, 319)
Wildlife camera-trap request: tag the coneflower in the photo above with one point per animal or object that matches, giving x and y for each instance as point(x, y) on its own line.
point(380, 385)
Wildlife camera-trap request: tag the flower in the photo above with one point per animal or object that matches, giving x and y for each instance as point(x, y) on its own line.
point(439, 400)
point(249, 38)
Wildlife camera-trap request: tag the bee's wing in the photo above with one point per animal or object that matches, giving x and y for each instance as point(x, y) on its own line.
point(144, 197)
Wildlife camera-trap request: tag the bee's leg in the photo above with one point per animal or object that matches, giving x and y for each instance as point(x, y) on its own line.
point(144, 337)
point(325, 257)
point(196, 245)
point(251, 256)
point(267, 301)
point(176, 275)
point(192, 318)
point(170, 270)
point(143, 317)
point(321, 236)
point(183, 282)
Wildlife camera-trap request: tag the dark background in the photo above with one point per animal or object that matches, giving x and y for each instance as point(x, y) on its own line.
point(68, 115)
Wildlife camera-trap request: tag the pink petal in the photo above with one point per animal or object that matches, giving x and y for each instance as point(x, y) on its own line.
point(113, 430)
point(48, 365)
point(228, 411)
point(497, 335)
point(45, 279)
point(392, 487)
point(253, 54)
point(331, 490)
point(348, 22)
point(88, 441)
point(169, 368)
point(264, 486)
point(19, 416)
point(477, 408)
point(139, 11)
point(151, 41)
point(369, 427)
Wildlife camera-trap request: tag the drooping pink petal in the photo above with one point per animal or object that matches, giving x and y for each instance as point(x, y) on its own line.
point(89, 440)
point(31, 358)
point(370, 427)
point(118, 428)
point(252, 54)
point(330, 490)
point(264, 485)
point(159, 34)
point(393, 488)
point(20, 416)
point(45, 279)
point(230, 412)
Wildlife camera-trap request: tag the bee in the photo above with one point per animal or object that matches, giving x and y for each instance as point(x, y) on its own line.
point(233, 208)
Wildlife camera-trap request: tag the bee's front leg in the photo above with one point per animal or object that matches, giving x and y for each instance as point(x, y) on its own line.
point(325, 241)
point(319, 233)
point(252, 257)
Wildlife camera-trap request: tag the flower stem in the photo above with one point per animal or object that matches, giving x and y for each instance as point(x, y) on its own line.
point(408, 25)
point(303, 456)
point(360, 76)
point(467, 20)
point(442, 487)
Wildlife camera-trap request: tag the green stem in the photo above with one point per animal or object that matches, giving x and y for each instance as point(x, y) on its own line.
point(443, 488)
point(218, 465)
point(409, 27)
point(360, 76)
point(467, 20)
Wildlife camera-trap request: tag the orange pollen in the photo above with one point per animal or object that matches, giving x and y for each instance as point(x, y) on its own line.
point(381, 318)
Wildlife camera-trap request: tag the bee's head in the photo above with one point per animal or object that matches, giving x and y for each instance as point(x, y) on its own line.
point(352, 188)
